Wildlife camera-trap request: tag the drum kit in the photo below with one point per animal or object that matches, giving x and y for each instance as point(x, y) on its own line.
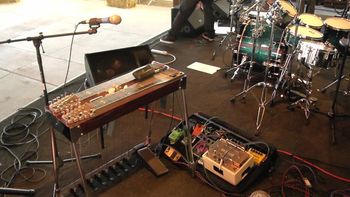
point(277, 38)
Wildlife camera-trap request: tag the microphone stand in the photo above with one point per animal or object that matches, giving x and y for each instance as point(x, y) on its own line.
point(37, 42)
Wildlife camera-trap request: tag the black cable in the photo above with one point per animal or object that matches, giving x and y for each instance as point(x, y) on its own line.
point(162, 141)
point(22, 132)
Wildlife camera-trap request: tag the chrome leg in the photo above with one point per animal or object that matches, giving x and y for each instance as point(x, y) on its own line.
point(81, 172)
point(188, 134)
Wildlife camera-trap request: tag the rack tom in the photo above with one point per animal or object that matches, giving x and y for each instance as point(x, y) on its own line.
point(285, 12)
point(293, 35)
point(311, 20)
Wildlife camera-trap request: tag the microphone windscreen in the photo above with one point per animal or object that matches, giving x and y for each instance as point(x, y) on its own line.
point(115, 19)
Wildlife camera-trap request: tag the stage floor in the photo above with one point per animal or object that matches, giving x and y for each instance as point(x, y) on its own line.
point(287, 130)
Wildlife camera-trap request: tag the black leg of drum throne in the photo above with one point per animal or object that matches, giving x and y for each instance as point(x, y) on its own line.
point(332, 114)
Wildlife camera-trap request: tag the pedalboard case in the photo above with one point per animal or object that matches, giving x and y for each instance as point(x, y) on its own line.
point(206, 132)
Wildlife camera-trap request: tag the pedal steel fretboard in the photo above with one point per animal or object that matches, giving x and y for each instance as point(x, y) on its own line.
point(77, 109)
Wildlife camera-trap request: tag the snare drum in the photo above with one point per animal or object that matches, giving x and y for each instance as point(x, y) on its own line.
point(335, 28)
point(311, 20)
point(303, 33)
point(315, 53)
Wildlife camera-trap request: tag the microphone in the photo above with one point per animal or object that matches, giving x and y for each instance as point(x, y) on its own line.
point(114, 19)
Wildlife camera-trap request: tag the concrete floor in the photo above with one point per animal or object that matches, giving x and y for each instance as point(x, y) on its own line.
point(20, 81)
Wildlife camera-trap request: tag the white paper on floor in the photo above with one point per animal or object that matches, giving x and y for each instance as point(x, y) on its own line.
point(203, 67)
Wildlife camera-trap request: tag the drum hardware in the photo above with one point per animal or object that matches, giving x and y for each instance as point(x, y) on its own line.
point(346, 11)
point(235, 7)
point(286, 75)
point(345, 92)
point(263, 97)
point(238, 67)
point(333, 114)
point(306, 99)
point(335, 29)
point(255, 34)
point(283, 74)
point(300, 6)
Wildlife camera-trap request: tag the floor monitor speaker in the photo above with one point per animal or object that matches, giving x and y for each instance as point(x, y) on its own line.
point(194, 24)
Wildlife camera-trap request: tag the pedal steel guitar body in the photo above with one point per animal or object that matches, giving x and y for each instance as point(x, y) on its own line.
point(79, 113)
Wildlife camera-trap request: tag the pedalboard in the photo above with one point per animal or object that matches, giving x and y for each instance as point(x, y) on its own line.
point(221, 152)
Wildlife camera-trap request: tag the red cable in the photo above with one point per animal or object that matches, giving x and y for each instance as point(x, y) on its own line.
point(315, 166)
point(162, 113)
point(280, 151)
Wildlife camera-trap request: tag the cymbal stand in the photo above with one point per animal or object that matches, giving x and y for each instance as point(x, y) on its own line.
point(287, 65)
point(332, 114)
point(345, 92)
point(263, 97)
point(257, 32)
point(235, 6)
point(346, 76)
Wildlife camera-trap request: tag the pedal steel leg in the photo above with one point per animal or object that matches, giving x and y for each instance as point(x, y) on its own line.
point(188, 134)
point(87, 190)
point(55, 158)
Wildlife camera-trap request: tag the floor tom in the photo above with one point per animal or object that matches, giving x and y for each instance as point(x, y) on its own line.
point(334, 29)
